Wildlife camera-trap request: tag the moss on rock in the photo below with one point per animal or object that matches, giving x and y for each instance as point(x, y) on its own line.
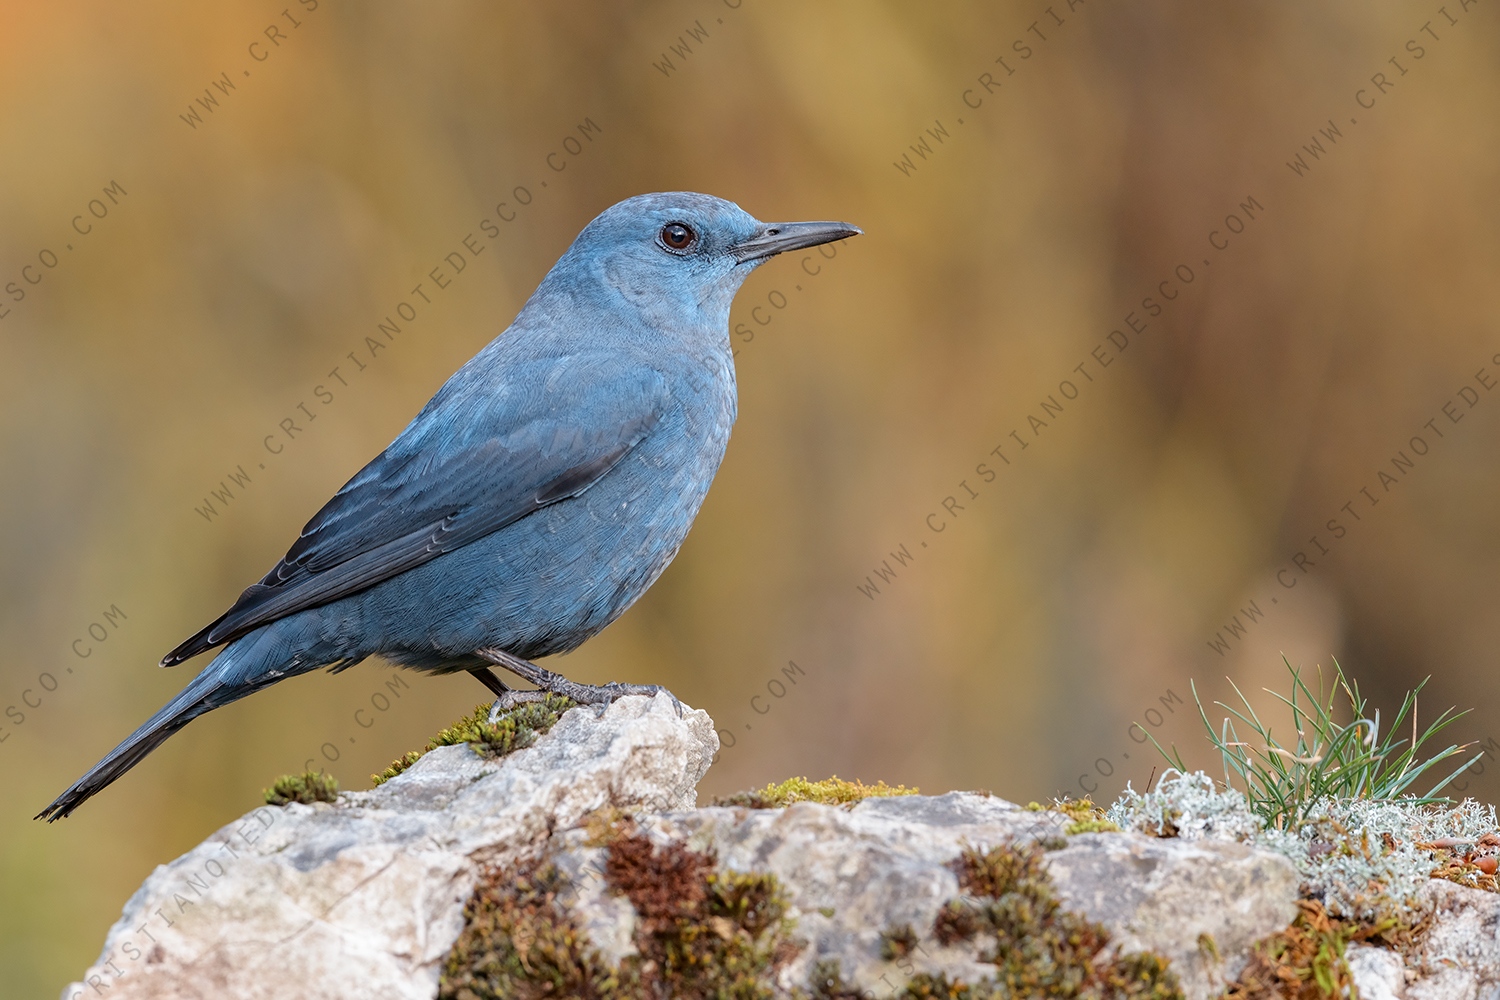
point(518, 942)
point(898, 943)
point(515, 730)
point(826, 982)
point(1085, 816)
point(307, 788)
point(926, 987)
point(699, 932)
point(832, 791)
point(1037, 947)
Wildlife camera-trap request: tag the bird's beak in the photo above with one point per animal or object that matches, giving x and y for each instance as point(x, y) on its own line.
point(779, 237)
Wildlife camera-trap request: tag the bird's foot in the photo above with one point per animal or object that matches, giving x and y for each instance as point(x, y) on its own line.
point(548, 682)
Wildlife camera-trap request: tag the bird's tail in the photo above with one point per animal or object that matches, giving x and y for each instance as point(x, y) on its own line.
point(217, 685)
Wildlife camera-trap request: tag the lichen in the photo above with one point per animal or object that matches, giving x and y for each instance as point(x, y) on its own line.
point(514, 730)
point(307, 788)
point(1038, 948)
point(1085, 816)
point(831, 791)
point(1189, 806)
point(1365, 859)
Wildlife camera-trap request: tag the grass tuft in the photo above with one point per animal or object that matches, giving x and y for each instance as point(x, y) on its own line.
point(1328, 759)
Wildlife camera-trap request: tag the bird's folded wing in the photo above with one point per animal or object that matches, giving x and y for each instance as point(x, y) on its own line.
point(408, 506)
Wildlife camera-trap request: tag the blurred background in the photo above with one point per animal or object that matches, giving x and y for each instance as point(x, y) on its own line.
point(207, 209)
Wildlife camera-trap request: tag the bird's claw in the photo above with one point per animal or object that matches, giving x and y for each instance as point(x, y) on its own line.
point(618, 690)
point(547, 682)
point(601, 696)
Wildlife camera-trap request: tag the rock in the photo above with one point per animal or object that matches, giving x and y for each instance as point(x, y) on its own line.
point(593, 840)
point(1178, 894)
point(1460, 953)
point(365, 896)
point(1378, 973)
point(854, 874)
point(1445, 984)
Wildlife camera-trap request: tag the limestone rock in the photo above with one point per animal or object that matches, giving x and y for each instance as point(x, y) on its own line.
point(366, 896)
point(854, 874)
point(1378, 973)
point(1460, 953)
point(1200, 903)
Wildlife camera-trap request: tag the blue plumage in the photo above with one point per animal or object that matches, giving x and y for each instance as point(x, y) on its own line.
point(534, 498)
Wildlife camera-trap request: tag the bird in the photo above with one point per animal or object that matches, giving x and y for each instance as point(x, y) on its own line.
point(532, 500)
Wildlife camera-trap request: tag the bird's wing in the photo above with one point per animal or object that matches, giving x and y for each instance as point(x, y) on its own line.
point(439, 487)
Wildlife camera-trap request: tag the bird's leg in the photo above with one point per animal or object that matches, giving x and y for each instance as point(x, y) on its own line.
point(505, 696)
point(548, 682)
point(486, 676)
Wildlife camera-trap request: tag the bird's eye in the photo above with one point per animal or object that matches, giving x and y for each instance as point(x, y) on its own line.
point(676, 236)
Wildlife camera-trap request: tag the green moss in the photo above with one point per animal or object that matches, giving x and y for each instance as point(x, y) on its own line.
point(518, 942)
point(1037, 947)
point(957, 921)
point(928, 987)
point(897, 943)
point(831, 791)
point(1086, 817)
point(826, 982)
point(514, 730)
point(1140, 974)
point(307, 788)
point(1100, 825)
point(700, 932)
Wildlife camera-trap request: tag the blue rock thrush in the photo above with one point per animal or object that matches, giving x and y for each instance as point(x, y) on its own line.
point(533, 499)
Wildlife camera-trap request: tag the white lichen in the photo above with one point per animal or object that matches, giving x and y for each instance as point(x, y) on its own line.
point(1359, 856)
point(1189, 806)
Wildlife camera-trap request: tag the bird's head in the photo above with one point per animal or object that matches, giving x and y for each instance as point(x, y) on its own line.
point(679, 257)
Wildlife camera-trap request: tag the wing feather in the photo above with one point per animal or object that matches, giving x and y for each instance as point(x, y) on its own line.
point(404, 508)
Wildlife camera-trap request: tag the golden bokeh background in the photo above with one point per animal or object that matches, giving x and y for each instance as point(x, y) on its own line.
point(1059, 167)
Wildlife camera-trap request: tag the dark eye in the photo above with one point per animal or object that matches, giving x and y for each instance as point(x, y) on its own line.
point(676, 236)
